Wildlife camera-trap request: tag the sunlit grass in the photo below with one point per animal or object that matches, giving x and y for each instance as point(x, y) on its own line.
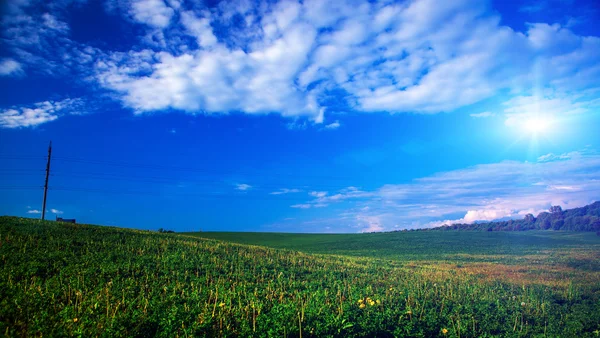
point(63, 280)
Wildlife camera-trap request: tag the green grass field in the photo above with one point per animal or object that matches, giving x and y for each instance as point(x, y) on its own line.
point(82, 280)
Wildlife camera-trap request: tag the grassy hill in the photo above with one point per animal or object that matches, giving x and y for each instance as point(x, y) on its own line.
point(83, 280)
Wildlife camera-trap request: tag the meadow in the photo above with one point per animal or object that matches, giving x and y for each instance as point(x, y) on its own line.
point(84, 280)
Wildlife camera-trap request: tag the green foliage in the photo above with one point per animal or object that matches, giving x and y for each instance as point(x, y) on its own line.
point(578, 219)
point(60, 279)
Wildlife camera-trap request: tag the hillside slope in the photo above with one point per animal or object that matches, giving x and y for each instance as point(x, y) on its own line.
point(66, 280)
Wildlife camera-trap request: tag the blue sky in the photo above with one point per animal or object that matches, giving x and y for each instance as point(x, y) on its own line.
point(311, 116)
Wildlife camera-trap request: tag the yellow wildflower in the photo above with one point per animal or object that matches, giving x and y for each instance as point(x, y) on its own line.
point(222, 304)
point(371, 302)
point(75, 320)
point(362, 306)
point(445, 331)
point(360, 301)
point(378, 302)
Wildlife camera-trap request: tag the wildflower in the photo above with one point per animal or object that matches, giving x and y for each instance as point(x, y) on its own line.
point(371, 302)
point(221, 304)
point(75, 320)
point(408, 312)
point(362, 306)
point(360, 301)
point(378, 302)
point(445, 331)
point(523, 304)
point(391, 288)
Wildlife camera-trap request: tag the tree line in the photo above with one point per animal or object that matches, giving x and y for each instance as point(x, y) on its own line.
point(586, 218)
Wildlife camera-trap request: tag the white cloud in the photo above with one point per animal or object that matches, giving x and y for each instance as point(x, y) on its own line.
point(199, 28)
point(483, 114)
point(52, 22)
point(34, 211)
point(334, 125)
point(152, 12)
point(285, 191)
point(301, 206)
point(39, 113)
point(285, 58)
point(415, 57)
point(369, 223)
point(508, 189)
point(10, 67)
point(56, 211)
point(243, 186)
point(549, 107)
point(553, 157)
point(318, 193)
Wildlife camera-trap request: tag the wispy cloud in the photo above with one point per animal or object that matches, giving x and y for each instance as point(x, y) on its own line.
point(243, 186)
point(39, 113)
point(34, 211)
point(334, 125)
point(301, 206)
point(56, 211)
point(10, 67)
point(285, 191)
point(508, 189)
point(483, 114)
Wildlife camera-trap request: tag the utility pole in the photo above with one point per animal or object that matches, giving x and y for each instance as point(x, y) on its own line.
point(46, 184)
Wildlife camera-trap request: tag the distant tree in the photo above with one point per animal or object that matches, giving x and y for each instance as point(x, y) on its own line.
point(530, 218)
point(557, 224)
point(555, 209)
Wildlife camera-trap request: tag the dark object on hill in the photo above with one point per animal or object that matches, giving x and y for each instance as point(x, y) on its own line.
point(586, 218)
point(65, 220)
point(161, 230)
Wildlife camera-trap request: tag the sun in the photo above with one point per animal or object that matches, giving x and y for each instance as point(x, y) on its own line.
point(537, 125)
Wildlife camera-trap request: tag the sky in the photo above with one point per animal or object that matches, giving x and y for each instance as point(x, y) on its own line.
point(298, 116)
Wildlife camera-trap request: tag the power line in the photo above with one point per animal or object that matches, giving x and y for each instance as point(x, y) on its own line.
point(186, 180)
point(155, 193)
point(21, 187)
point(190, 169)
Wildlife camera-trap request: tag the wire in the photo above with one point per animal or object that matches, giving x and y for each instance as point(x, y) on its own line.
point(154, 193)
point(21, 187)
point(199, 170)
point(186, 180)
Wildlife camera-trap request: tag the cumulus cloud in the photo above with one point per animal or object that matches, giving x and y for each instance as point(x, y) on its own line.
point(154, 13)
point(10, 67)
point(39, 113)
point(285, 57)
point(56, 211)
point(369, 223)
